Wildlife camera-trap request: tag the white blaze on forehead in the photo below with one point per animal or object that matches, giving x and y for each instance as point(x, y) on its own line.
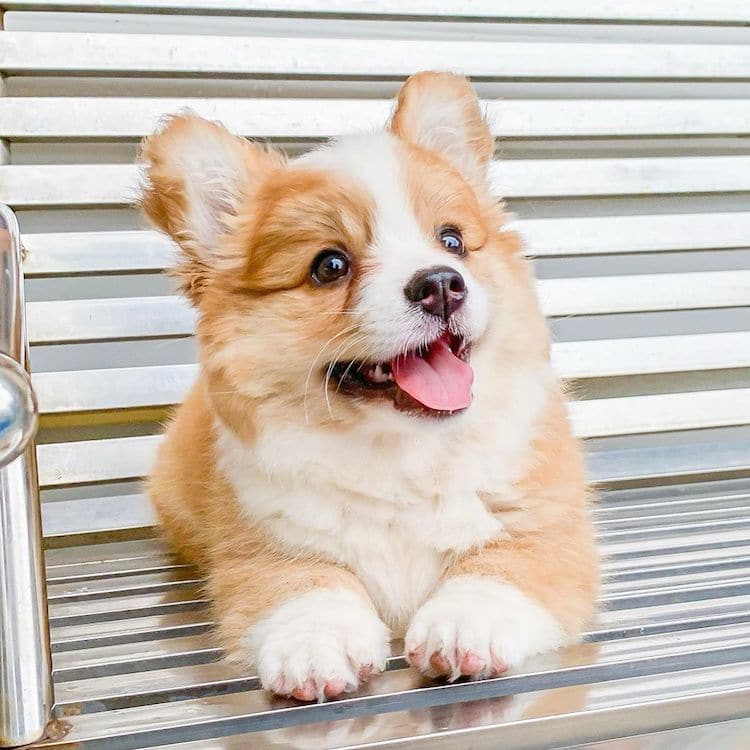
point(399, 248)
point(373, 161)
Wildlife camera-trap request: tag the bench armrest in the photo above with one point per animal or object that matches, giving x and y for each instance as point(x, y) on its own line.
point(25, 664)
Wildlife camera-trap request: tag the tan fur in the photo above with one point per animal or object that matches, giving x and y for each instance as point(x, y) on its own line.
point(259, 315)
point(247, 573)
point(421, 90)
point(549, 551)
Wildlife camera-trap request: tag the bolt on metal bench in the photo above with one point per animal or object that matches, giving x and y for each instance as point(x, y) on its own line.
point(622, 149)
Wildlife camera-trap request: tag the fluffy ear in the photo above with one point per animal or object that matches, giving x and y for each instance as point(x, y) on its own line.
point(197, 177)
point(440, 112)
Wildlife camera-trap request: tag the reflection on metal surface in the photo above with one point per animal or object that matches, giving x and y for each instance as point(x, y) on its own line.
point(18, 412)
point(25, 669)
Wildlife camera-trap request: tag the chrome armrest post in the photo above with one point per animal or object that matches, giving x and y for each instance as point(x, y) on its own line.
point(26, 697)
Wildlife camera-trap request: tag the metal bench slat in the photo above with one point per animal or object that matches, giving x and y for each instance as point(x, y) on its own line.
point(41, 53)
point(729, 676)
point(671, 586)
point(117, 184)
point(164, 385)
point(590, 235)
point(109, 319)
point(63, 519)
point(732, 12)
point(87, 461)
point(69, 253)
point(684, 615)
point(655, 354)
point(590, 663)
point(98, 664)
point(57, 322)
point(664, 613)
point(111, 515)
point(135, 630)
point(653, 705)
point(126, 608)
point(30, 118)
point(111, 459)
point(600, 295)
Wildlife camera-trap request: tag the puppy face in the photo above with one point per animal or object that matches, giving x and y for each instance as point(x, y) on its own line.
point(368, 277)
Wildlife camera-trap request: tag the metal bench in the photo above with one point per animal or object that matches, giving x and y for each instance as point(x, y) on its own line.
point(623, 151)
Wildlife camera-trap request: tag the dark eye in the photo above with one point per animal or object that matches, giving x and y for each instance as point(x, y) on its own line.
point(452, 241)
point(330, 265)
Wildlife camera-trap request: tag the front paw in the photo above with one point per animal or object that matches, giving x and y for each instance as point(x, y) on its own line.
point(479, 627)
point(318, 645)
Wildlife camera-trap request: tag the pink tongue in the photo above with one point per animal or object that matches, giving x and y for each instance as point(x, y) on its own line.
point(439, 380)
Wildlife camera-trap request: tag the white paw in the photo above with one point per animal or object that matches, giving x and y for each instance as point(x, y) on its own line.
point(479, 627)
point(318, 645)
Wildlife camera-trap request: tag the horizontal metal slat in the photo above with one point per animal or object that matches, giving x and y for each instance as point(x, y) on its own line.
point(117, 184)
point(120, 566)
point(127, 608)
point(108, 319)
point(95, 460)
point(657, 463)
point(163, 385)
point(670, 586)
point(99, 664)
point(656, 354)
point(134, 630)
point(113, 587)
point(659, 413)
point(67, 253)
point(682, 605)
point(599, 295)
point(30, 118)
point(661, 617)
point(111, 514)
point(95, 555)
point(670, 11)
point(40, 53)
point(132, 387)
point(253, 710)
point(634, 234)
point(68, 518)
point(130, 458)
point(562, 713)
point(129, 658)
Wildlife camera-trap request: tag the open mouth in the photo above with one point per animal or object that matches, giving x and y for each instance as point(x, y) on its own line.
point(434, 380)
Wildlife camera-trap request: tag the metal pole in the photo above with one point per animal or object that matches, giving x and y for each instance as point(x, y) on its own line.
point(26, 697)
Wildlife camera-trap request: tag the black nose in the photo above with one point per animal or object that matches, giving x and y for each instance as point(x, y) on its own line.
point(440, 290)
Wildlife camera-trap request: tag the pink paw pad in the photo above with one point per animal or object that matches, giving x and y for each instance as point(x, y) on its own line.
point(306, 691)
point(334, 688)
point(471, 663)
point(309, 690)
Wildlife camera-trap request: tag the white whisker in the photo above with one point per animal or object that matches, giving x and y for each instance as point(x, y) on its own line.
point(317, 357)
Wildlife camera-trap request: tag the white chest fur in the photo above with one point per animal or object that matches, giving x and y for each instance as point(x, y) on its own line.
point(395, 508)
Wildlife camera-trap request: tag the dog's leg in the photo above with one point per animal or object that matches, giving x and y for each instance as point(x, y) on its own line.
point(518, 596)
point(308, 627)
point(530, 590)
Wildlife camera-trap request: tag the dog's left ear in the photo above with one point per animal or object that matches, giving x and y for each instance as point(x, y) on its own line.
point(440, 112)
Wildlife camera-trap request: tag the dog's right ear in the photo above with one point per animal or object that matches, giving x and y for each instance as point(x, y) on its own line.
point(197, 179)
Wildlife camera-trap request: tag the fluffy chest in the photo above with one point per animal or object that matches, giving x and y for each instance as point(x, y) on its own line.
point(396, 510)
point(398, 550)
point(397, 521)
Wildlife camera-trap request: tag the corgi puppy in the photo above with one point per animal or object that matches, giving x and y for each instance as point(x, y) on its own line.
point(377, 445)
